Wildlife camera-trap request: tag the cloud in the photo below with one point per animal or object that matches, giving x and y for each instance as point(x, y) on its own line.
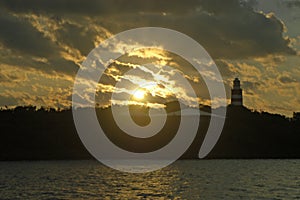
point(43, 43)
point(12, 76)
point(27, 86)
point(287, 79)
point(269, 83)
point(96, 7)
point(292, 3)
point(217, 25)
point(226, 31)
point(19, 35)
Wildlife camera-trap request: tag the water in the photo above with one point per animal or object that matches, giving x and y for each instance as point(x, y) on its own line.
point(186, 179)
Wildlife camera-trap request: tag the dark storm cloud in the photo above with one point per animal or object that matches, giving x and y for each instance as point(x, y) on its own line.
point(23, 43)
point(99, 7)
point(19, 35)
point(74, 36)
point(226, 29)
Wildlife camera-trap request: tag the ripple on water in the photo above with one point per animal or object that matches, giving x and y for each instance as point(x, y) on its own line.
point(186, 179)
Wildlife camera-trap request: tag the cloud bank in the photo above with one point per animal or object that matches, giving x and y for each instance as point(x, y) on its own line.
point(52, 38)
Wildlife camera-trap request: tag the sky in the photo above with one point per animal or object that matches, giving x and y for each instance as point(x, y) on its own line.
point(43, 44)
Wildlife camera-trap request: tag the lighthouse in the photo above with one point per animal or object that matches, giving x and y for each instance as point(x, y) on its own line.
point(236, 93)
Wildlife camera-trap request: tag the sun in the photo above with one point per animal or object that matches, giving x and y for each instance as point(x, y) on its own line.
point(139, 94)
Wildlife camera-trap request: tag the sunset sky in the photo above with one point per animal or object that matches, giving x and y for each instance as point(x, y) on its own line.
point(43, 43)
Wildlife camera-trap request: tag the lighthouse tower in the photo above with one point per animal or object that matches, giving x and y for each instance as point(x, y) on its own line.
point(236, 93)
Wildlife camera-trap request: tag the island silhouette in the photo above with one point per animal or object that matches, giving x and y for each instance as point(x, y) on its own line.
point(28, 133)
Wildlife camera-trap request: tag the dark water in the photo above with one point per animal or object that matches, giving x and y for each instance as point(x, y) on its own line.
point(189, 179)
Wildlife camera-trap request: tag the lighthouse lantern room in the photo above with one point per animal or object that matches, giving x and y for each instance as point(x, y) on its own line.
point(236, 93)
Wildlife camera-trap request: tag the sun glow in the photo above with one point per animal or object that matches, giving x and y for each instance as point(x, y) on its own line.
point(139, 94)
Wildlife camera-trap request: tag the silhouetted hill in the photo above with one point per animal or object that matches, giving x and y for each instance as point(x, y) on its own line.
point(30, 134)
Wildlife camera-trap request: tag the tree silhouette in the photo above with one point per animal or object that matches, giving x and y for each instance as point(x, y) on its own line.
point(28, 133)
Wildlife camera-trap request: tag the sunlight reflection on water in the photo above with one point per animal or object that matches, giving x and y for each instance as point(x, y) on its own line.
point(186, 179)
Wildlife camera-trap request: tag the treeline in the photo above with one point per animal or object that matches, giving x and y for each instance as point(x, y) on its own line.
point(258, 135)
point(28, 133)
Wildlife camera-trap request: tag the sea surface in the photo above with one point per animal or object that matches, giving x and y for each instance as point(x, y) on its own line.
point(185, 179)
